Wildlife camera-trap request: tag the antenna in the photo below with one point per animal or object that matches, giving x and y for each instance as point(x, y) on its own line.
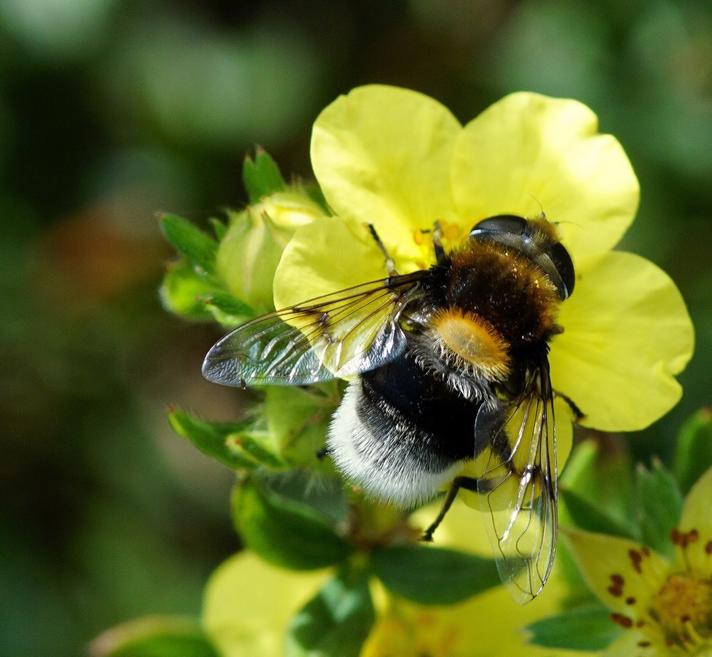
point(542, 214)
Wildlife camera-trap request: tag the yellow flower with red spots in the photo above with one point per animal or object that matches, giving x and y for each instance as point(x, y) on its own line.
point(665, 606)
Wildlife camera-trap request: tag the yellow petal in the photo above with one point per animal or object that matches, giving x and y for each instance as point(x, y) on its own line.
point(626, 333)
point(248, 605)
point(696, 522)
point(529, 153)
point(382, 155)
point(626, 645)
point(623, 574)
point(325, 256)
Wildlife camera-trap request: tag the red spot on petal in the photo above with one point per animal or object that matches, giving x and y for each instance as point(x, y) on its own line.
point(675, 536)
point(615, 591)
point(630, 600)
point(693, 535)
point(622, 620)
point(618, 579)
point(635, 559)
point(708, 547)
point(644, 644)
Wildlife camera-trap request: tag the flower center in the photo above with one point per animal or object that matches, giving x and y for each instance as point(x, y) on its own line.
point(683, 610)
point(451, 236)
point(414, 633)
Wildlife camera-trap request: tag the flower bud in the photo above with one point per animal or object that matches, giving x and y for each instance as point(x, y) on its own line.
point(250, 251)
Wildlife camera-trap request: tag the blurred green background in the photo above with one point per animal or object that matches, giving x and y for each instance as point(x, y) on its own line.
point(111, 111)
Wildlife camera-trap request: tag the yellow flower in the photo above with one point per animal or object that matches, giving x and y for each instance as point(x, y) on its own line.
point(400, 160)
point(664, 606)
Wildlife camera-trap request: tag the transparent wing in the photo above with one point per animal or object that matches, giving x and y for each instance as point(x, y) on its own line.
point(335, 335)
point(517, 481)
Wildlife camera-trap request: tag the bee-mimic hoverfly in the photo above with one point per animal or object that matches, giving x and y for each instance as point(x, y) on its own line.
point(446, 365)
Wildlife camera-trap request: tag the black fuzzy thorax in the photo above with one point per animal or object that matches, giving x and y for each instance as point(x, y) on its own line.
point(501, 286)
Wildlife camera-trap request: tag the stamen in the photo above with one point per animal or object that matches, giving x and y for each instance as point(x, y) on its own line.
point(692, 632)
point(682, 608)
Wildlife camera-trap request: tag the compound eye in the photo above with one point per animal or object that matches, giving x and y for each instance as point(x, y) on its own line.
point(501, 223)
point(562, 261)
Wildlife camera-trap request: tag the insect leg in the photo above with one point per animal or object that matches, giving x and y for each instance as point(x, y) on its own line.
point(390, 265)
point(468, 483)
point(578, 413)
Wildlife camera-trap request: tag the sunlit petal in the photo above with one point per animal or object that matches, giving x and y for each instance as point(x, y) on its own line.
point(528, 154)
point(249, 603)
point(623, 574)
point(626, 334)
point(696, 524)
point(326, 256)
point(382, 155)
point(626, 645)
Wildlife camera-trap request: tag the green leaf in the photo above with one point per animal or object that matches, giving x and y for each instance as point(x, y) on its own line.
point(285, 532)
point(254, 444)
point(229, 305)
point(577, 590)
point(586, 628)
point(593, 518)
point(601, 473)
point(334, 623)
point(182, 292)
point(219, 228)
point(433, 576)
point(322, 491)
point(659, 506)
point(226, 309)
point(693, 454)
point(154, 636)
point(261, 175)
point(197, 247)
point(211, 438)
